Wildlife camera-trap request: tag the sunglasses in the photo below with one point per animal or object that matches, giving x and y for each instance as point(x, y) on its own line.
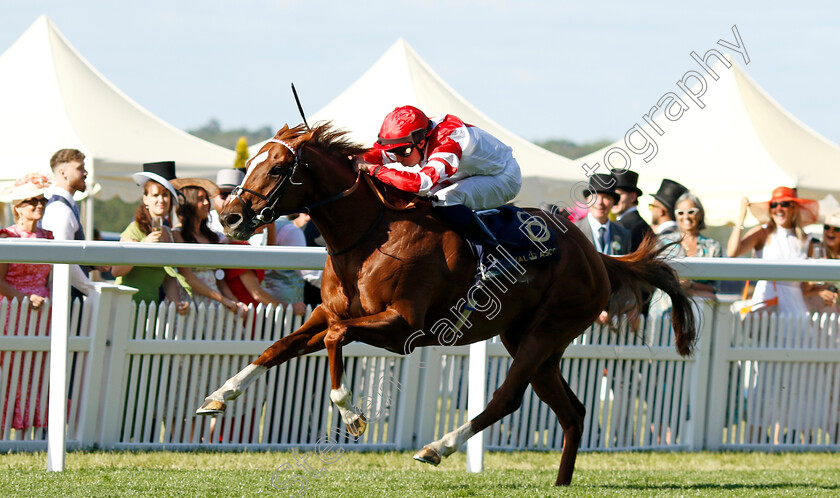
point(402, 151)
point(829, 228)
point(689, 212)
point(35, 200)
point(651, 206)
point(784, 204)
point(224, 195)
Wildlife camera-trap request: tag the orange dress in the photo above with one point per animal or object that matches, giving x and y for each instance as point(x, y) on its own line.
point(29, 279)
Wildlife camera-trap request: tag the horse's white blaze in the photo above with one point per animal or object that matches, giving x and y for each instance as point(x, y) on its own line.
point(262, 156)
point(234, 386)
point(450, 443)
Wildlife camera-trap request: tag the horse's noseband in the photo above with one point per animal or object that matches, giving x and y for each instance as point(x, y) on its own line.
point(268, 214)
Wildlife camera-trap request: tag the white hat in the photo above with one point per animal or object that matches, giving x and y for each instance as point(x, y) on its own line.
point(29, 186)
point(227, 179)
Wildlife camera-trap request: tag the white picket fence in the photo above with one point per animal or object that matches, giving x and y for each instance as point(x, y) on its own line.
point(136, 376)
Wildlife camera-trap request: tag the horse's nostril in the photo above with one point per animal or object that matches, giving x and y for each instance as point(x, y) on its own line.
point(232, 220)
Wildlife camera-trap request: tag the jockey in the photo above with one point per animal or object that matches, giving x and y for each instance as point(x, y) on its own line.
point(460, 167)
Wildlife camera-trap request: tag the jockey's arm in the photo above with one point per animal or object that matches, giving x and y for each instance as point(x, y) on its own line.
point(415, 179)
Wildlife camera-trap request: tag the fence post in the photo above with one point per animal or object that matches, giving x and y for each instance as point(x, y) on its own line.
point(718, 378)
point(98, 306)
point(476, 403)
point(428, 395)
point(60, 325)
point(119, 328)
point(700, 386)
point(413, 371)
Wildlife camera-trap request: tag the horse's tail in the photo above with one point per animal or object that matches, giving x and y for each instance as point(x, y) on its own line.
point(640, 271)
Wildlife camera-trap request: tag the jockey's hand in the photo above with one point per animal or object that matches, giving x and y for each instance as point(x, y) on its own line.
point(362, 165)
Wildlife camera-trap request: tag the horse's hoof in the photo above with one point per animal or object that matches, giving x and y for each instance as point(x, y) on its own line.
point(427, 455)
point(357, 428)
point(211, 407)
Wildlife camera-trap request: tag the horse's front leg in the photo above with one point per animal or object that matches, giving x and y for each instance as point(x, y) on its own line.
point(307, 339)
point(375, 329)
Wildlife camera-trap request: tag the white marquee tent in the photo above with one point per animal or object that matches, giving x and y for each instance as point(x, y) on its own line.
point(399, 78)
point(52, 98)
point(743, 143)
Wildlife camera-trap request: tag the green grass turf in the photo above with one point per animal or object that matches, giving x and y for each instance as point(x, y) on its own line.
point(396, 474)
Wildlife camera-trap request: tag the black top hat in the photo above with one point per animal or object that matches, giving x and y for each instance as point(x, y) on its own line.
point(164, 169)
point(161, 172)
point(668, 193)
point(627, 180)
point(600, 183)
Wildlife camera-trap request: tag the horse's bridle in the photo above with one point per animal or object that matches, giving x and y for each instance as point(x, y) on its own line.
point(268, 213)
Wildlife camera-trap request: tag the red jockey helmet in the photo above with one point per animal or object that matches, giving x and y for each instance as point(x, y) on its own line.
point(406, 125)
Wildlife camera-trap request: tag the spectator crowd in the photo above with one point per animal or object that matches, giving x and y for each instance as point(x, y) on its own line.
point(185, 210)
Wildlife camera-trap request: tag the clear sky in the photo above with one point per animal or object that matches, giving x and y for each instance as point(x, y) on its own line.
point(543, 69)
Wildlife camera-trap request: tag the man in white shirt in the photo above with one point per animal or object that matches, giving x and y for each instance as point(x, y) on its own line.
point(608, 237)
point(61, 216)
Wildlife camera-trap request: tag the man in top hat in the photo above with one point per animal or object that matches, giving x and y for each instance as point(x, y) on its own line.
point(608, 237)
point(663, 219)
point(226, 180)
point(626, 211)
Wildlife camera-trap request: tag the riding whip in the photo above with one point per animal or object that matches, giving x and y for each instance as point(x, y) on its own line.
point(300, 108)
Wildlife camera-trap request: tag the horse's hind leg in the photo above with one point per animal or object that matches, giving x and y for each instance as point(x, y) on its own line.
point(506, 400)
point(553, 389)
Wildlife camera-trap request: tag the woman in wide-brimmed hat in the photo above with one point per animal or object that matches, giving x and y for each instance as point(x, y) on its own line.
point(207, 284)
point(780, 236)
point(26, 196)
point(20, 281)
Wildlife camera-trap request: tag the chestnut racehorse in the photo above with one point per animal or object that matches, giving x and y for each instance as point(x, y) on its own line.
point(393, 276)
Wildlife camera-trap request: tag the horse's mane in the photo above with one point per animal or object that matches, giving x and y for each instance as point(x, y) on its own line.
point(325, 137)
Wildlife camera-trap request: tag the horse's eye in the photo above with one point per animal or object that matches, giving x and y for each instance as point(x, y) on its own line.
point(275, 170)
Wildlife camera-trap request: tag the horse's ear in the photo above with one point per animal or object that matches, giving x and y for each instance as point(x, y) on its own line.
point(283, 130)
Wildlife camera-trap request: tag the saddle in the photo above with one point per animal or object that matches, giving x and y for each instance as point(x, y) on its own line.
point(503, 238)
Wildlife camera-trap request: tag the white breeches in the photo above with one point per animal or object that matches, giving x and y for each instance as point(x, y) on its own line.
point(482, 192)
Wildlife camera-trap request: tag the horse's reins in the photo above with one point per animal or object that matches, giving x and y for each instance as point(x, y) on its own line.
point(411, 204)
point(268, 214)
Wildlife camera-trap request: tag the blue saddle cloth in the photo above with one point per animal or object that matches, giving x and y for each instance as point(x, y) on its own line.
point(525, 237)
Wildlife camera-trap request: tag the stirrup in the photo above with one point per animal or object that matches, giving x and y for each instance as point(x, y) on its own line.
point(501, 266)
